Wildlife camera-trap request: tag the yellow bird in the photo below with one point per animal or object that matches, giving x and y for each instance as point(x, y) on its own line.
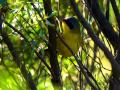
point(71, 35)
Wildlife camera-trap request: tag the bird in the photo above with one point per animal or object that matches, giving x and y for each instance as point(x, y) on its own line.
point(71, 36)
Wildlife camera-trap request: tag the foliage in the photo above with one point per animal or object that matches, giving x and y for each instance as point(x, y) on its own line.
point(23, 16)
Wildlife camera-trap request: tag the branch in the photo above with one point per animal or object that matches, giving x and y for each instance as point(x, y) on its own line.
point(38, 55)
point(108, 54)
point(56, 80)
point(107, 9)
point(116, 11)
point(104, 24)
point(26, 74)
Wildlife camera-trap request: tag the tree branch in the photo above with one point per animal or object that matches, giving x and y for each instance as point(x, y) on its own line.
point(56, 80)
point(116, 11)
point(38, 55)
point(27, 75)
point(104, 24)
point(107, 9)
point(108, 54)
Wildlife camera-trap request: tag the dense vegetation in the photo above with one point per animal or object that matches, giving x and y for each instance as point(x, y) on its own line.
point(28, 57)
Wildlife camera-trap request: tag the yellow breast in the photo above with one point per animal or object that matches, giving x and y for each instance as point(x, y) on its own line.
point(72, 39)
